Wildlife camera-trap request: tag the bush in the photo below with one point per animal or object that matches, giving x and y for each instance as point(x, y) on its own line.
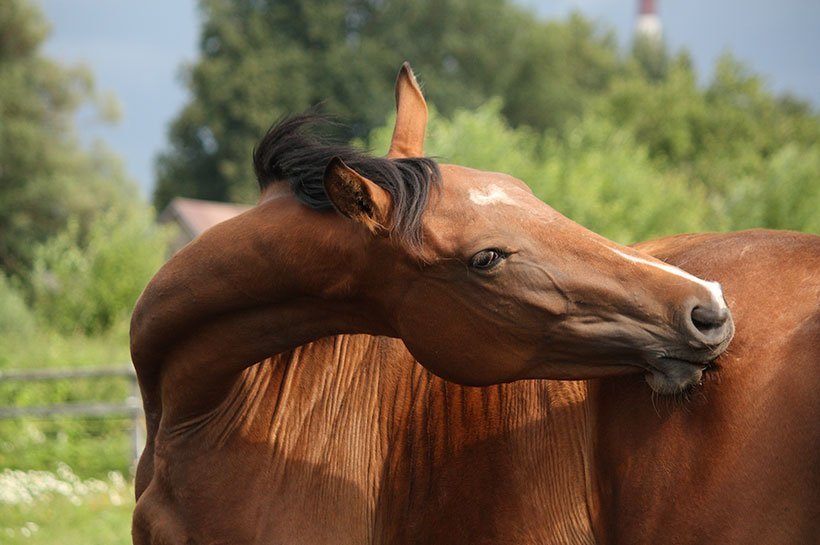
point(596, 174)
point(600, 177)
point(92, 446)
point(16, 320)
point(604, 173)
point(785, 195)
point(86, 282)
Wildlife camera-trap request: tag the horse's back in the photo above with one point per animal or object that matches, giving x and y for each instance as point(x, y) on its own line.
point(737, 461)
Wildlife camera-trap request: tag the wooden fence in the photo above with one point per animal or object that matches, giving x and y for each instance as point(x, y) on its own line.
point(130, 408)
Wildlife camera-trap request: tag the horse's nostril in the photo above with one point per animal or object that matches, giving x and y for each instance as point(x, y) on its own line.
point(708, 320)
point(709, 326)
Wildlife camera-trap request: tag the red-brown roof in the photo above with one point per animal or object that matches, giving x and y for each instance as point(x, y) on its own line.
point(195, 216)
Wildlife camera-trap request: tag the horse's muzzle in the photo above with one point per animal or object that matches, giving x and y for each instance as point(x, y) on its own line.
point(710, 324)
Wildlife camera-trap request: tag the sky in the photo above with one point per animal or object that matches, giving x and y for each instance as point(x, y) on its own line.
point(136, 51)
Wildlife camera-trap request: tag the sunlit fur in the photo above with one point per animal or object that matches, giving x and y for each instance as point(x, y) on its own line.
point(291, 363)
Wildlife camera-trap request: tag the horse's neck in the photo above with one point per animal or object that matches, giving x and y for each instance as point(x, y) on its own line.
point(244, 290)
point(461, 453)
point(358, 410)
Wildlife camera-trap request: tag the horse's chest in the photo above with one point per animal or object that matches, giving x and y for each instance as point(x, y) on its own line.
point(329, 471)
point(250, 495)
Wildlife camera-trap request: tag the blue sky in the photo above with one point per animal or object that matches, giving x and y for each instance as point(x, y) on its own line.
point(136, 49)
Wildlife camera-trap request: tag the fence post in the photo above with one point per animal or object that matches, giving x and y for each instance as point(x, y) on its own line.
point(138, 432)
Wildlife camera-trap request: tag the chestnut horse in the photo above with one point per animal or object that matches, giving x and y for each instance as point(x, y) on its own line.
point(277, 360)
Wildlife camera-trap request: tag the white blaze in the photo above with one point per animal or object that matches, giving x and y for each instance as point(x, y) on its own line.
point(491, 195)
point(713, 287)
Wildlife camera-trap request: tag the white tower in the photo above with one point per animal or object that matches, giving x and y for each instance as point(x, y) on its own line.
point(648, 24)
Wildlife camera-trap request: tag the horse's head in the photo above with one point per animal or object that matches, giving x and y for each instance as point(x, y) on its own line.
point(500, 287)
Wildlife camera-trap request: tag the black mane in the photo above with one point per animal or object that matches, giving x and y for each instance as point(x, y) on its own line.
point(291, 150)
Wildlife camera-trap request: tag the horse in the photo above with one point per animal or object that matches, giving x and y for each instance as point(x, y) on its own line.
point(740, 461)
point(346, 361)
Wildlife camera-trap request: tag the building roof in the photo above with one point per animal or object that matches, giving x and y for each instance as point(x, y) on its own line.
point(195, 216)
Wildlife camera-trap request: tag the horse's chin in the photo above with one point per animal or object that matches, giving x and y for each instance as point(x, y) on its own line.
point(673, 376)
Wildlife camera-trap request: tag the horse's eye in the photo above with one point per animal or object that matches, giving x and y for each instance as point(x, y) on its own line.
point(487, 259)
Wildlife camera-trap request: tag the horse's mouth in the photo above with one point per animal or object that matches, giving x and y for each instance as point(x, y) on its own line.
point(668, 375)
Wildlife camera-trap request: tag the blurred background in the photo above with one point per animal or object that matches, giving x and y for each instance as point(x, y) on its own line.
point(636, 118)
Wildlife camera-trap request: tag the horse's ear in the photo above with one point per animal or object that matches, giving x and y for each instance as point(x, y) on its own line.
point(357, 197)
point(411, 117)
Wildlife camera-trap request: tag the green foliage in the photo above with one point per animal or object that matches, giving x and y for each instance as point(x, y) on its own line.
point(262, 59)
point(91, 446)
point(493, 145)
point(681, 156)
point(784, 194)
point(600, 177)
point(46, 348)
point(82, 283)
point(16, 320)
point(651, 57)
point(46, 177)
point(753, 154)
point(76, 248)
point(597, 174)
point(88, 282)
point(666, 116)
point(564, 66)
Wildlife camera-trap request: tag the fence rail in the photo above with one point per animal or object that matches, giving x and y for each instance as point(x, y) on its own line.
point(63, 374)
point(130, 408)
point(94, 410)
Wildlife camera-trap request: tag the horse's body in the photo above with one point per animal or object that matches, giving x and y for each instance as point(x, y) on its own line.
point(348, 440)
point(739, 462)
point(342, 438)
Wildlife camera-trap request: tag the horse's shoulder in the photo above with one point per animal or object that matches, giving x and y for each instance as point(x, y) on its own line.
point(757, 238)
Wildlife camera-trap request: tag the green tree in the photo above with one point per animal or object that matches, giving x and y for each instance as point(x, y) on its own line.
point(651, 56)
point(564, 67)
point(729, 138)
point(785, 194)
point(16, 319)
point(259, 60)
point(87, 283)
point(46, 177)
point(262, 59)
point(597, 175)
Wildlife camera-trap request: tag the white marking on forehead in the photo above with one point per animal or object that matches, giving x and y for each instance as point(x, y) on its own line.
point(491, 195)
point(713, 287)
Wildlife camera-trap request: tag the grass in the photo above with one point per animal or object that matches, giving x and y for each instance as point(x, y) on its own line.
point(51, 508)
point(92, 447)
point(42, 501)
point(44, 348)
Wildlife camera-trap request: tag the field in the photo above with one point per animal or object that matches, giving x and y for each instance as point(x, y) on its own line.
point(43, 507)
point(64, 481)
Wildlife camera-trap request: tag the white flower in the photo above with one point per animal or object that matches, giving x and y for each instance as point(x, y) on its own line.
point(27, 487)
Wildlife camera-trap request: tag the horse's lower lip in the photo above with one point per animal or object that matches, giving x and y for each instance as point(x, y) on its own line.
point(668, 359)
point(659, 363)
point(668, 375)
